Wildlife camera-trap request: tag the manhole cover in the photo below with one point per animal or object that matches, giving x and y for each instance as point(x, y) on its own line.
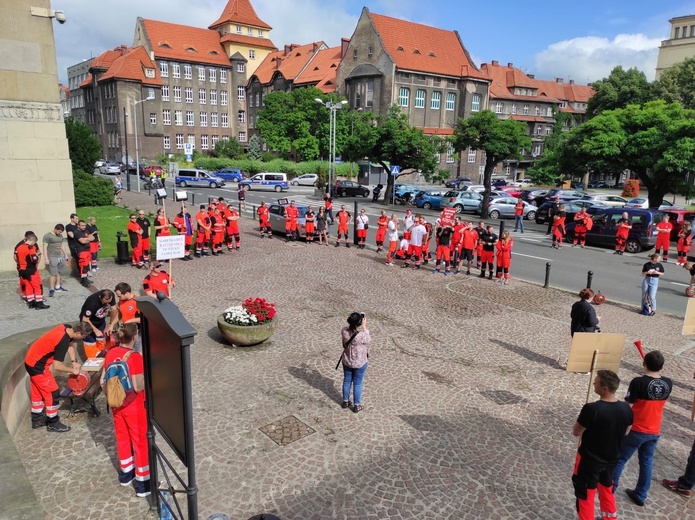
point(286, 430)
point(425, 423)
point(502, 397)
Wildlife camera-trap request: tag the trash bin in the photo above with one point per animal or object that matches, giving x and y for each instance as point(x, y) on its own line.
point(122, 256)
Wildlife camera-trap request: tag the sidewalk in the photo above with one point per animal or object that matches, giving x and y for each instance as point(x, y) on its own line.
point(467, 413)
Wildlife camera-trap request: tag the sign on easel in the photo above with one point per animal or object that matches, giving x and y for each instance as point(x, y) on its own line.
point(171, 247)
point(689, 320)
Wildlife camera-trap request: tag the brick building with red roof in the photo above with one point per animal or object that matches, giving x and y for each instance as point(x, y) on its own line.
point(425, 70)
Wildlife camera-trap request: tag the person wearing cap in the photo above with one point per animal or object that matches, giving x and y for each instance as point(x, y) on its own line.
point(157, 280)
point(184, 225)
point(354, 359)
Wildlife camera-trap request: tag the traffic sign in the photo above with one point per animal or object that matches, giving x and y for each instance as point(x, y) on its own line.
point(188, 148)
point(395, 170)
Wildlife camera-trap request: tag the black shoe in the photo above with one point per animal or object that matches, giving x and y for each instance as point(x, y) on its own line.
point(337, 244)
point(490, 277)
point(38, 423)
point(347, 244)
point(616, 252)
point(126, 478)
point(41, 305)
point(31, 304)
point(142, 488)
point(57, 427)
point(633, 496)
point(481, 275)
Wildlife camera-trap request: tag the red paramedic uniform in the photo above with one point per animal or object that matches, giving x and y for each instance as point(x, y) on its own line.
point(157, 283)
point(663, 237)
point(233, 236)
point(264, 220)
point(135, 232)
point(29, 276)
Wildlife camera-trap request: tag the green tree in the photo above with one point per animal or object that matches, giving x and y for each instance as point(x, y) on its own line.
point(230, 149)
point(677, 84)
point(656, 141)
point(254, 151)
point(83, 147)
point(91, 190)
point(499, 139)
point(620, 89)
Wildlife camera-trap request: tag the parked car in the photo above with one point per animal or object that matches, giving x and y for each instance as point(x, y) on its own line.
point(276, 215)
point(350, 189)
point(605, 198)
point(498, 183)
point(99, 163)
point(457, 182)
point(512, 191)
point(461, 200)
point(678, 217)
point(194, 177)
point(591, 206)
point(523, 183)
point(268, 180)
point(429, 199)
point(571, 210)
point(308, 179)
point(505, 207)
point(152, 168)
point(642, 202)
point(532, 196)
point(642, 235)
point(230, 174)
point(110, 169)
point(564, 195)
point(599, 185)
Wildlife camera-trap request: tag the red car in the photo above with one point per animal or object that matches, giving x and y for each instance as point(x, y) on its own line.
point(147, 170)
point(514, 191)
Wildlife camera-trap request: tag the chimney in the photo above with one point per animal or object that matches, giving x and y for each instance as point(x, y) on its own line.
point(571, 82)
point(510, 65)
point(314, 47)
point(532, 76)
point(559, 81)
point(288, 49)
point(495, 63)
point(344, 43)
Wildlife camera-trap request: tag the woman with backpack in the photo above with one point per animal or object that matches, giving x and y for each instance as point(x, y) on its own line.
point(354, 359)
point(124, 383)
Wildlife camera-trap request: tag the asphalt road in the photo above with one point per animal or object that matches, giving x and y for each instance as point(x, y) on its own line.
point(617, 277)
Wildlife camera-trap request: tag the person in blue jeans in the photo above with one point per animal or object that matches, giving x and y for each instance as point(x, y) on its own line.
point(647, 395)
point(354, 359)
point(651, 271)
point(519, 215)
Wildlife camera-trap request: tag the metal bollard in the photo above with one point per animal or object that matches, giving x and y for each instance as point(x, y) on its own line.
point(501, 227)
point(253, 216)
point(192, 198)
point(547, 275)
point(589, 278)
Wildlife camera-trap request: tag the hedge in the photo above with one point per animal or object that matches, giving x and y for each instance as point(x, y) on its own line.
point(91, 190)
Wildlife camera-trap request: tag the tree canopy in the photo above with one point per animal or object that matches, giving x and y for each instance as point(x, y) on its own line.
point(656, 141)
point(83, 147)
point(620, 89)
point(254, 151)
point(230, 149)
point(499, 139)
point(677, 84)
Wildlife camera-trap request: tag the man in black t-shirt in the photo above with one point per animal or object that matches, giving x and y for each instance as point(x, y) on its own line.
point(602, 425)
point(145, 224)
point(70, 229)
point(489, 239)
point(94, 312)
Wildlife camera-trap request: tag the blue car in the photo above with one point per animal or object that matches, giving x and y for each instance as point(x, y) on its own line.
point(429, 199)
point(229, 174)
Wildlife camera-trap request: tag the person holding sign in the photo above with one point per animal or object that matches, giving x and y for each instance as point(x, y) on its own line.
point(602, 425)
point(157, 280)
point(161, 224)
point(184, 225)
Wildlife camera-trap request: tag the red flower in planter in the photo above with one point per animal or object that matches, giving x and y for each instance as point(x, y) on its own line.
point(260, 308)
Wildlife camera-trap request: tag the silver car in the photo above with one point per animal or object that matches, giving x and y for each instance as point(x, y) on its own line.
point(276, 215)
point(606, 199)
point(461, 200)
point(308, 179)
point(110, 169)
point(505, 207)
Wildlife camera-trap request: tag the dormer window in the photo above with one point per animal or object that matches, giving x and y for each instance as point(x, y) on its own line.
point(432, 55)
point(165, 46)
point(149, 73)
point(191, 49)
point(416, 51)
point(399, 48)
point(214, 53)
point(260, 34)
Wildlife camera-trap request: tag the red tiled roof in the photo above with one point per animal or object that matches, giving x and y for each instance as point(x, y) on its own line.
point(87, 81)
point(422, 48)
point(578, 93)
point(131, 66)
point(505, 78)
point(251, 41)
point(289, 61)
point(430, 130)
point(321, 71)
point(105, 59)
point(240, 12)
point(173, 41)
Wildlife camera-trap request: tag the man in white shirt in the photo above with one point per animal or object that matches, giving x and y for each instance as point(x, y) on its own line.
point(392, 232)
point(417, 234)
point(408, 222)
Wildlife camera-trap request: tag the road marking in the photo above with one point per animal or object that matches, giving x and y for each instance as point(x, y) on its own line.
point(681, 284)
point(530, 239)
point(684, 348)
point(531, 256)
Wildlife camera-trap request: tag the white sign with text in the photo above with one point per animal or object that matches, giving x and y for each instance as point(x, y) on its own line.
point(171, 247)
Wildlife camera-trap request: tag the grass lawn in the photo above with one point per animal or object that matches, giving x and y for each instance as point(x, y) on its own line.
point(110, 220)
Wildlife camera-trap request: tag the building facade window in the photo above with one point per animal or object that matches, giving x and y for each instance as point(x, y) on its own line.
point(475, 102)
point(238, 29)
point(471, 156)
point(215, 138)
point(498, 108)
point(213, 97)
point(214, 120)
point(204, 142)
point(166, 117)
point(223, 76)
point(242, 137)
point(164, 69)
point(548, 130)
point(203, 117)
point(189, 118)
point(240, 93)
point(187, 71)
point(191, 139)
point(450, 101)
point(403, 96)
point(153, 118)
point(525, 110)
point(224, 120)
point(252, 54)
point(201, 73)
point(249, 31)
point(539, 129)
point(538, 110)
point(175, 70)
point(419, 99)
point(223, 98)
point(513, 110)
point(258, 99)
point(167, 142)
point(179, 141)
point(549, 112)
point(177, 94)
point(202, 96)
point(241, 116)
point(436, 101)
point(240, 67)
point(189, 94)
point(449, 153)
point(165, 93)
point(212, 75)
point(178, 117)
point(536, 150)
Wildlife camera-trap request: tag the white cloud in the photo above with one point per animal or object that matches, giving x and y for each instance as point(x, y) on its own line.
point(590, 58)
point(93, 28)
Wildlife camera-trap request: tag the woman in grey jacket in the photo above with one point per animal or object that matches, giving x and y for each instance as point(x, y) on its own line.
point(355, 344)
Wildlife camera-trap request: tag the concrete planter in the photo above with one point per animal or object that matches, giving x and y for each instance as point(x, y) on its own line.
point(241, 336)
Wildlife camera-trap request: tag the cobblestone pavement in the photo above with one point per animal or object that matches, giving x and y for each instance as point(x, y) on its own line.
point(468, 413)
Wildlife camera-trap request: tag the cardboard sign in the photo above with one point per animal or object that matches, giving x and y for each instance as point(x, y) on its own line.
point(447, 216)
point(610, 347)
point(689, 320)
point(171, 247)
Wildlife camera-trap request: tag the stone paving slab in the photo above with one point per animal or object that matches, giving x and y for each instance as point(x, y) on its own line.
point(467, 411)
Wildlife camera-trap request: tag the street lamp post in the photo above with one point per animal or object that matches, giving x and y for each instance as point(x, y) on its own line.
point(137, 156)
point(125, 131)
point(333, 108)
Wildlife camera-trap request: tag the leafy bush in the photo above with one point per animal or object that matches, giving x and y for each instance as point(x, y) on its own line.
point(91, 190)
point(631, 189)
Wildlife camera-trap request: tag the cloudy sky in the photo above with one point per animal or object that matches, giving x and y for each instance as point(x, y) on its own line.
point(574, 40)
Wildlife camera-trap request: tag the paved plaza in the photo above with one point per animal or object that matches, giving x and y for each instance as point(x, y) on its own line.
point(468, 413)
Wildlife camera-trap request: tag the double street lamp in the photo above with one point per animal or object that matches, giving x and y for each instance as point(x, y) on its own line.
point(333, 107)
point(137, 156)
